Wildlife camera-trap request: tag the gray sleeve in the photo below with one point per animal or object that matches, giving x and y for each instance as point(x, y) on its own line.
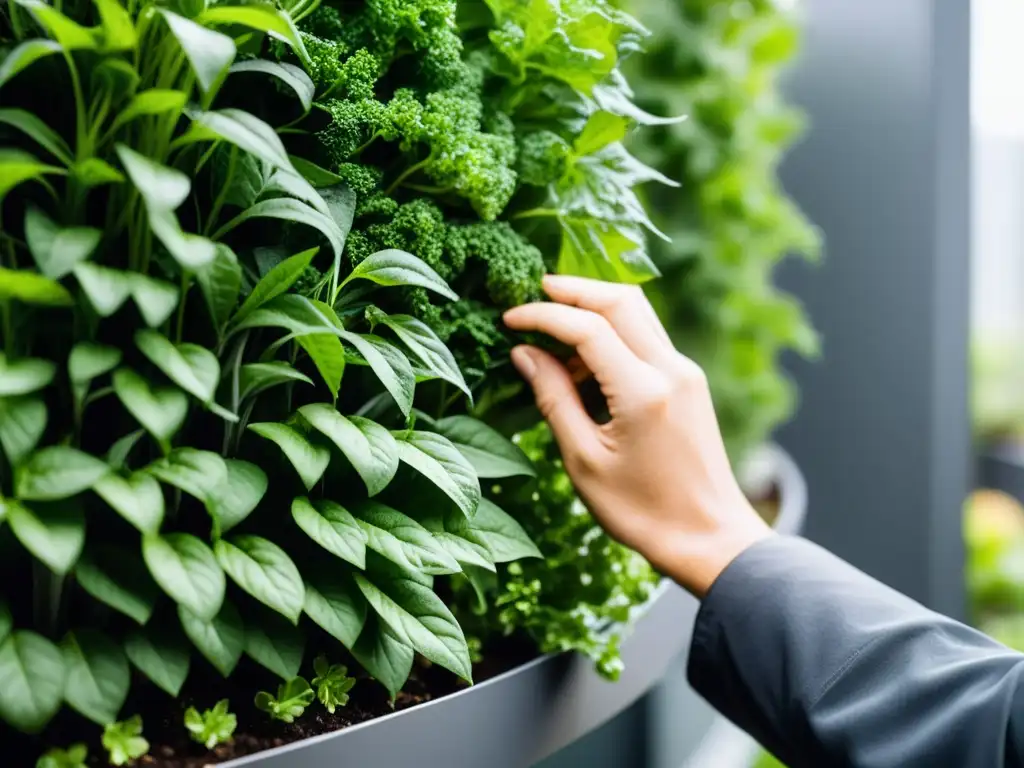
point(827, 667)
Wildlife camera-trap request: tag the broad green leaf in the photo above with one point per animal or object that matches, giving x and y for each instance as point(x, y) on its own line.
point(402, 540)
point(32, 288)
point(328, 356)
point(57, 249)
point(57, 472)
point(426, 346)
point(138, 499)
point(187, 571)
point(6, 620)
point(221, 282)
point(119, 579)
point(74, 756)
point(314, 174)
point(341, 205)
point(156, 299)
point(275, 644)
point(245, 131)
point(394, 267)
point(262, 569)
point(369, 447)
point(94, 172)
point(200, 474)
point(160, 655)
point(612, 97)
point(192, 252)
point(89, 360)
point(389, 363)
point(117, 455)
point(32, 679)
point(275, 282)
point(221, 639)
point(602, 128)
point(97, 675)
point(118, 28)
point(54, 534)
point(310, 460)
point(107, 289)
point(209, 52)
point(160, 186)
point(155, 101)
point(419, 619)
point(436, 458)
point(24, 376)
point(262, 18)
point(68, 33)
point(289, 209)
point(380, 653)
point(254, 378)
point(335, 604)
point(332, 527)
point(193, 368)
point(161, 411)
point(17, 167)
point(235, 500)
point(492, 454)
point(22, 423)
point(24, 55)
point(602, 251)
point(38, 131)
point(493, 529)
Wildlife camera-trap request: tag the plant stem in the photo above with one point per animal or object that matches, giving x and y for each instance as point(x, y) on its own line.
point(218, 202)
point(8, 323)
point(180, 324)
point(406, 174)
point(534, 213)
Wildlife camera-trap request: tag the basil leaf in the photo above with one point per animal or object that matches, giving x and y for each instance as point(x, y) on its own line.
point(97, 675)
point(32, 678)
point(368, 446)
point(435, 457)
point(265, 571)
point(335, 604)
point(491, 454)
point(332, 527)
point(393, 267)
point(187, 571)
point(402, 540)
point(381, 654)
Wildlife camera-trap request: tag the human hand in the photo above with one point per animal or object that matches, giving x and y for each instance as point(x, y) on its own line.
point(656, 476)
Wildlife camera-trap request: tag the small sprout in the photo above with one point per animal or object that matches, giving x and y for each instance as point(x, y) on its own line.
point(332, 683)
point(124, 742)
point(72, 757)
point(292, 699)
point(215, 726)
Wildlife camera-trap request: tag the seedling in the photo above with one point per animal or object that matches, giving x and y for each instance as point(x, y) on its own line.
point(292, 699)
point(212, 727)
point(123, 740)
point(72, 757)
point(332, 683)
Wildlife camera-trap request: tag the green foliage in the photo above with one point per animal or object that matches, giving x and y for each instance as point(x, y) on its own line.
point(729, 222)
point(72, 757)
point(331, 683)
point(291, 701)
point(124, 742)
point(212, 727)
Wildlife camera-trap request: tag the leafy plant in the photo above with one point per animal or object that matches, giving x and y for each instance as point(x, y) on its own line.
point(72, 757)
point(212, 727)
point(292, 699)
point(124, 742)
point(332, 683)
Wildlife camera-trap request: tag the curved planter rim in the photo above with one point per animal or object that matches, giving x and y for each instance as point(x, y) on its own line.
point(524, 715)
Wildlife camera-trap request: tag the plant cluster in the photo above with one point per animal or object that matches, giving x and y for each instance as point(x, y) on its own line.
point(718, 62)
point(251, 380)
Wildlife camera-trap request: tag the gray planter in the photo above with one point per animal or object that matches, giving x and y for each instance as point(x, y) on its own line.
point(523, 716)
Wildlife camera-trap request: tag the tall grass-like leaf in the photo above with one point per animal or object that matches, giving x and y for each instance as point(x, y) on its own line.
point(39, 132)
point(118, 28)
point(24, 55)
point(70, 34)
point(31, 288)
point(17, 167)
point(32, 678)
point(154, 101)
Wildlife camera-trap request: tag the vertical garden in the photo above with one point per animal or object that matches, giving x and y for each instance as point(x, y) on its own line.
point(266, 470)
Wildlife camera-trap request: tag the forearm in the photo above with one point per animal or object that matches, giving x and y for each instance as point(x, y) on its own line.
point(826, 666)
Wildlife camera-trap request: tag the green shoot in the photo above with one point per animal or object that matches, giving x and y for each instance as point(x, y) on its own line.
point(332, 683)
point(72, 757)
point(292, 699)
point(212, 727)
point(123, 740)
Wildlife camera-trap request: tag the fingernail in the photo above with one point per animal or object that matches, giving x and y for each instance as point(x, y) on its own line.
point(523, 360)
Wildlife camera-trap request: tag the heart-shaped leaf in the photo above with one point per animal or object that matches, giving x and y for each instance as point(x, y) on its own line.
point(221, 640)
point(160, 655)
point(419, 619)
point(402, 540)
point(138, 499)
point(161, 187)
point(383, 655)
point(309, 460)
point(435, 457)
point(88, 361)
point(335, 604)
point(53, 533)
point(491, 453)
point(187, 571)
point(32, 679)
point(332, 527)
point(394, 267)
point(201, 474)
point(24, 376)
point(265, 571)
point(156, 299)
point(119, 579)
point(107, 289)
point(193, 368)
point(275, 644)
point(369, 447)
point(57, 249)
point(161, 411)
point(97, 675)
point(22, 423)
point(389, 363)
point(427, 348)
point(57, 472)
point(209, 52)
point(235, 500)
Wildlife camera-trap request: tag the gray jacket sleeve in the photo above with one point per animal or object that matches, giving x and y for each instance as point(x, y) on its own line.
point(827, 667)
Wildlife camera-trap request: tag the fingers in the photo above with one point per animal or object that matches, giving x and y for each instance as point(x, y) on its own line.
point(558, 400)
point(600, 348)
point(624, 306)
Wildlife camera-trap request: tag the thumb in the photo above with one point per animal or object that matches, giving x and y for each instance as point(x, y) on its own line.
point(557, 398)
